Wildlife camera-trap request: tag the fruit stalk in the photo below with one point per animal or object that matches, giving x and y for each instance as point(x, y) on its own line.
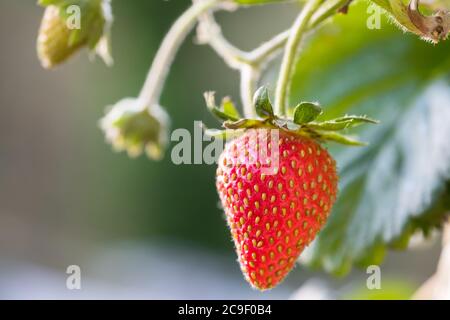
point(159, 70)
point(251, 64)
point(296, 35)
point(249, 81)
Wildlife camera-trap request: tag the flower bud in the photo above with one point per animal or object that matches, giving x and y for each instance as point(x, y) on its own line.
point(69, 25)
point(130, 126)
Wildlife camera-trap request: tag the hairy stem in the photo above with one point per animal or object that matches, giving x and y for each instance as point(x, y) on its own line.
point(267, 50)
point(295, 37)
point(159, 70)
point(327, 9)
point(251, 64)
point(249, 80)
point(210, 32)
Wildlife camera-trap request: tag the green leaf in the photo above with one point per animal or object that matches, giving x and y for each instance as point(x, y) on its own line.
point(262, 103)
point(227, 111)
point(229, 108)
point(400, 183)
point(306, 112)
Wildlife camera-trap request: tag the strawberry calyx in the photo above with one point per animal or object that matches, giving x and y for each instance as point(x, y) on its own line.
point(303, 122)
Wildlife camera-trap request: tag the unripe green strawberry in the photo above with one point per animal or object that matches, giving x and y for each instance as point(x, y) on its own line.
point(133, 127)
point(59, 39)
point(53, 45)
point(273, 217)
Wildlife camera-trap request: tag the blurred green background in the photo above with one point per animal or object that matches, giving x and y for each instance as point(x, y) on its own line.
point(137, 229)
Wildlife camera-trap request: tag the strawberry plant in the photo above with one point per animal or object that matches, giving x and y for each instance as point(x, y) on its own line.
point(314, 194)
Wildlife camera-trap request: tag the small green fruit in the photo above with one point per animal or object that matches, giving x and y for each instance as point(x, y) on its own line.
point(59, 38)
point(130, 126)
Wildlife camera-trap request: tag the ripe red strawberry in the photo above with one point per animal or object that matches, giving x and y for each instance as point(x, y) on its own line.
point(274, 217)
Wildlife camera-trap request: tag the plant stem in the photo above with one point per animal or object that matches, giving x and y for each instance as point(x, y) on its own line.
point(159, 70)
point(296, 36)
point(270, 48)
point(327, 9)
point(249, 81)
point(209, 32)
point(251, 64)
point(267, 50)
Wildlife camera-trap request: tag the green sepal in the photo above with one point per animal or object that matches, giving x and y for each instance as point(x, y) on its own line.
point(340, 138)
point(303, 123)
point(306, 112)
point(226, 111)
point(262, 103)
point(244, 124)
point(223, 134)
point(286, 124)
point(342, 123)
